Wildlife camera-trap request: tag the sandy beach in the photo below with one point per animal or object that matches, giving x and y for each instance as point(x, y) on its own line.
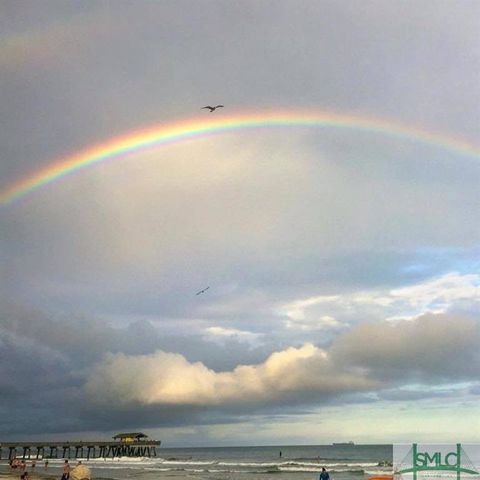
point(6, 473)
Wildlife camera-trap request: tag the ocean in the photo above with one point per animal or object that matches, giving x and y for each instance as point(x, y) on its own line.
point(344, 462)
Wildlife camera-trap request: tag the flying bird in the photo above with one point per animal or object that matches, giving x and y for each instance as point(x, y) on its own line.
point(202, 291)
point(212, 108)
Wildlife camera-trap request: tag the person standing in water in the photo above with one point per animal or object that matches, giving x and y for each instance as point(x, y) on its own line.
point(66, 471)
point(324, 475)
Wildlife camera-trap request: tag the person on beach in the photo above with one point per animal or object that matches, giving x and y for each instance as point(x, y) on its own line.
point(46, 464)
point(66, 471)
point(324, 474)
point(34, 462)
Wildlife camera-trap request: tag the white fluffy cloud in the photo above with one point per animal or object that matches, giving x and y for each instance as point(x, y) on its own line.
point(167, 378)
point(440, 293)
point(435, 295)
point(217, 333)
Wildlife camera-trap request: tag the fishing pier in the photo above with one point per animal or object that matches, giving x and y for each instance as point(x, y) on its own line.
point(123, 445)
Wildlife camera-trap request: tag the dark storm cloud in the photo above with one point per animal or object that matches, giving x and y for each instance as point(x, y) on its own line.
point(432, 347)
point(78, 341)
point(27, 365)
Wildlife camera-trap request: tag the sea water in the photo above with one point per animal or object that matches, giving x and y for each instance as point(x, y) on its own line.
point(343, 462)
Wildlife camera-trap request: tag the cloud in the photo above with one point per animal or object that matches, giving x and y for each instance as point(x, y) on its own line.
point(80, 340)
point(440, 293)
point(368, 357)
point(164, 378)
point(296, 309)
point(138, 384)
point(429, 348)
point(451, 291)
point(217, 333)
point(418, 394)
point(17, 355)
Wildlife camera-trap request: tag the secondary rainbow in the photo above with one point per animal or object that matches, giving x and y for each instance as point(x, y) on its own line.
point(198, 127)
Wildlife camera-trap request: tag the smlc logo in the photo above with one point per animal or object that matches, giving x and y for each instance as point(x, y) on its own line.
point(446, 461)
point(425, 459)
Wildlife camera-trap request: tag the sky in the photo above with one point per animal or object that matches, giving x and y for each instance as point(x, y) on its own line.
point(342, 260)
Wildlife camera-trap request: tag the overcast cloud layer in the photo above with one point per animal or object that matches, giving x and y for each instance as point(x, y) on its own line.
point(343, 266)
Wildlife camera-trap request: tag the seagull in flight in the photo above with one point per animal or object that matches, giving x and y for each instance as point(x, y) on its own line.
point(212, 108)
point(202, 291)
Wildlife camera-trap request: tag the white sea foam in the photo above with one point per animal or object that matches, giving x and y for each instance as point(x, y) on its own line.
point(165, 464)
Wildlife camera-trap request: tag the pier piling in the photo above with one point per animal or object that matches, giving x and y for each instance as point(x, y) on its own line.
point(46, 450)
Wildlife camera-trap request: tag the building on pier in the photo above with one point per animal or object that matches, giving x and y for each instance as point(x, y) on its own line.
point(131, 437)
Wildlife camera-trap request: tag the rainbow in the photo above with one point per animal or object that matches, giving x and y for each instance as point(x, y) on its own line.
point(179, 131)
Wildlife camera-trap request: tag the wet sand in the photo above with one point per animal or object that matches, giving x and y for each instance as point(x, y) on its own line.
point(6, 473)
